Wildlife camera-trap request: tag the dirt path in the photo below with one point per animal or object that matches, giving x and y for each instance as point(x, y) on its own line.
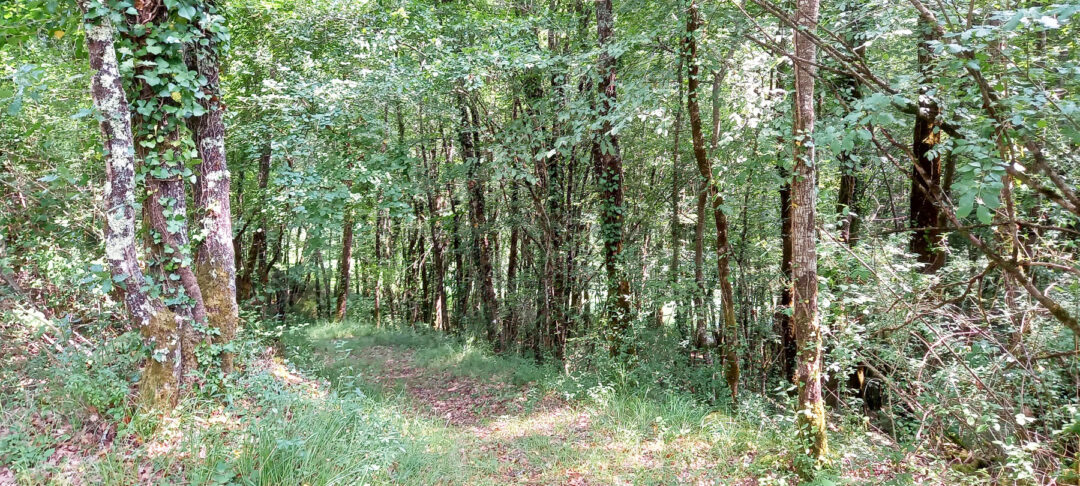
point(507, 434)
point(459, 400)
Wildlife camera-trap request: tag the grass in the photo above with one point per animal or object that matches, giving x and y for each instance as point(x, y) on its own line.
point(350, 404)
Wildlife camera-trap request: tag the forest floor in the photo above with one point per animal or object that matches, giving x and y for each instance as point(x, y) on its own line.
point(481, 419)
point(350, 404)
point(490, 431)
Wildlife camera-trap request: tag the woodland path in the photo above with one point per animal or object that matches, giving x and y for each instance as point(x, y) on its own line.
point(487, 430)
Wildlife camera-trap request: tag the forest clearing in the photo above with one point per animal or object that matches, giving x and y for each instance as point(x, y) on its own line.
point(580, 242)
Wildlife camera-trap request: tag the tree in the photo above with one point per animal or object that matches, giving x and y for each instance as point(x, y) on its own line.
point(215, 257)
point(481, 236)
point(808, 337)
point(157, 323)
point(925, 218)
point(609, 176)
point(723, 248)
point(344, 263)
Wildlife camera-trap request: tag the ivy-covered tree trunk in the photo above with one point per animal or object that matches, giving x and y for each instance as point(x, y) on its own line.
point(158, 324)
point(811, 410)
point(215, 258)
point(165, 212)
point(164, 151)
point(925, 217)
point(723, 248)
point(609, 177)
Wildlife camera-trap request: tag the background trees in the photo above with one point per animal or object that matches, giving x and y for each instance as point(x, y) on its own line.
point(892, 192)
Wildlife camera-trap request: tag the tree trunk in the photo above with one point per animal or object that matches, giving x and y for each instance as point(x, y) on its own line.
point(811, 414)
point(170, 258)
point(257, 251)
point(161, 379)
point(788, 349)
point(440, 316)
point(378, 262)
point(703, 341)
point(158, 148)
point(215, 258)
point(609, 176)
point(676, 184)
point(319, 290)
point(344, 263)
point(925, 217)
point(723, 249)
point(481, 234)
point(461, 278)
point(509, 332)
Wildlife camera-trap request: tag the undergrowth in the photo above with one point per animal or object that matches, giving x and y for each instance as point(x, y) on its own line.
point(301, 411)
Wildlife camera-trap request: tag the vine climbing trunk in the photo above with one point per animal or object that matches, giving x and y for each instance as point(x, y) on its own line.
point(811, 413)
point(215, 258)
point(609, 177)
point(165, 211)
point(723, 248)
point(163, 151)
point(161, 380)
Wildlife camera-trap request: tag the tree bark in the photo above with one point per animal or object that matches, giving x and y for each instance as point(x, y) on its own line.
point(723, 248)
point(461, 277)
point(510, 323)
point(926, 240)
point(215, 258)
point(481, 234)
point(158, 325)
point(344, 263)
point(165, 211)
point(609, 174)
point(436, 207)
point(257, 251)
point(811, 414)
point(788, 348)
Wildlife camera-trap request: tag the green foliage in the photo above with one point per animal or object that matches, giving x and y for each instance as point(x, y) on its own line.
point(100, 380)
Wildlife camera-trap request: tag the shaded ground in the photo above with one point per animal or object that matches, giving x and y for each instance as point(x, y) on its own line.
point(459, 400)
point(493, 432)
point(428, 412)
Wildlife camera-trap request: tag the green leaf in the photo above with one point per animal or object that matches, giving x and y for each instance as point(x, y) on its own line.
point(15, 107)
point(967, 202)
point(1013, 22)
point(83, 113)
point(985, 217)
